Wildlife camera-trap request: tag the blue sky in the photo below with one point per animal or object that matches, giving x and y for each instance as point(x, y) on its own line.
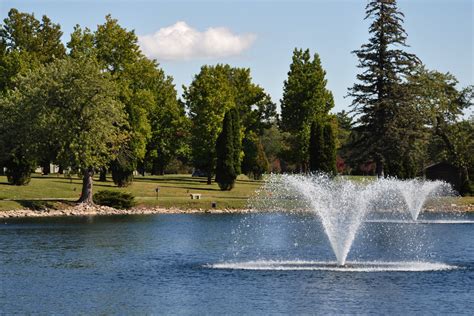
point(441, 33)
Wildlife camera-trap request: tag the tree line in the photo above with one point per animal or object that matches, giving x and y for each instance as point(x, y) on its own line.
point(98, 105)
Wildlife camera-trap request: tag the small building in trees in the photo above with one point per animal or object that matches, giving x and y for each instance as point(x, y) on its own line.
point(446, 172)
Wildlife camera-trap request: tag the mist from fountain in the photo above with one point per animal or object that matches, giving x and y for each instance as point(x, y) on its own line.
point(342, 204)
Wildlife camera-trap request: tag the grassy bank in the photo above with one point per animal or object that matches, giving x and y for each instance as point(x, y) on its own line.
point(174, 191)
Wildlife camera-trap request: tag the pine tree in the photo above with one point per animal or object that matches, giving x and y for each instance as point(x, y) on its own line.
point(379, 98)
point(225, 164)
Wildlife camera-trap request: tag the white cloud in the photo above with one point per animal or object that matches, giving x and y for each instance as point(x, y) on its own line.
point(182, 42)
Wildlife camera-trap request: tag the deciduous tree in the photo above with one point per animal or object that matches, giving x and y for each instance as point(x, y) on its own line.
point(208, 98)
point(72, 103)
point(305, 99)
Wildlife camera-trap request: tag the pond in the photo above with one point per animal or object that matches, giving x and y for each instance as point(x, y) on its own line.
point(232, 264)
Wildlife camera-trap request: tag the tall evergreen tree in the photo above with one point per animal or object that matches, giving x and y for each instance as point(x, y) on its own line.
point(236, 134)
point(329, 150)
point(316, 147)
point(379, 98)
point(322, 148)
point(225, 163)
point(305, 98)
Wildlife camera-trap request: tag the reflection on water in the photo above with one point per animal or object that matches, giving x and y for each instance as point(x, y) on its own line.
point(181, 264)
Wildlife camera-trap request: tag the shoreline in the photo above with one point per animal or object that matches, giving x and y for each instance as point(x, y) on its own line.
point(82, 210)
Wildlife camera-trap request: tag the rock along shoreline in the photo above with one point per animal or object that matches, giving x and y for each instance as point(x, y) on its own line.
point(98, 210)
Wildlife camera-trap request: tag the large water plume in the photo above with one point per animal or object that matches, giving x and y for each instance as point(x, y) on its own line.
point(342, 204)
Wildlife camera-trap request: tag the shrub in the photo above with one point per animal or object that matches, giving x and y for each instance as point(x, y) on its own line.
point(119, 200)
point(122, 173)
point(18, 172)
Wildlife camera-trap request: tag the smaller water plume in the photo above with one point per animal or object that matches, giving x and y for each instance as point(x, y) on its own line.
point(410, 195)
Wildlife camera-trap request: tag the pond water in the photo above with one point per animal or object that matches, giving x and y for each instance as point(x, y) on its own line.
point(233, 264)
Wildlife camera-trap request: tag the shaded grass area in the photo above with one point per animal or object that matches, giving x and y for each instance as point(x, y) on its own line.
point(57, 191)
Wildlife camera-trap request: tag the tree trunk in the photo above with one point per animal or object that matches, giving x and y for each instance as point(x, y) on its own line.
point(86, 195)
point(103, 174)
point(46, 168)
point(141, 168)
point(155, 169)
point(209, 178)
point(60, 169)
point(465, 182)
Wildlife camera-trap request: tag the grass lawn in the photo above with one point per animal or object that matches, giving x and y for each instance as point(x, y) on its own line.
point(59, 191)
point(174, 191)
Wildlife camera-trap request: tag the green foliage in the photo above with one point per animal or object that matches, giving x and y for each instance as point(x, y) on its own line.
point(316, 147)
point(119, 200)
point(329, 150)
point(19, 171)
point(262, 164)
point(255, 107)
point(322, 148)
point(208, 98)
point(72, 104)
point(156, 120)
point(467, 188)
point(19, 150)
point(237, 140)
point(388, 124)
point(122, 173)
point(441, 105)
point(118, 53)
point(255, 161)
point(305, 98)
point(116, 47)
point(81, 43)
point(274, 147)
point(225, 165)
point(344, 128)
point(25, 43)
point(215, 90)
point(169, 126)
point(23, 32)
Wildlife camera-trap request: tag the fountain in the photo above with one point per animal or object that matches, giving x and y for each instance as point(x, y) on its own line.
point(413, 193)
point(341, 204)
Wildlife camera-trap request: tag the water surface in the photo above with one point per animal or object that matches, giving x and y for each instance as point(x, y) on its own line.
point(168, 264)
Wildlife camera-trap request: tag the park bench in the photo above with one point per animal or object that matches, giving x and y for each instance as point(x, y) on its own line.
point(195, 196)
